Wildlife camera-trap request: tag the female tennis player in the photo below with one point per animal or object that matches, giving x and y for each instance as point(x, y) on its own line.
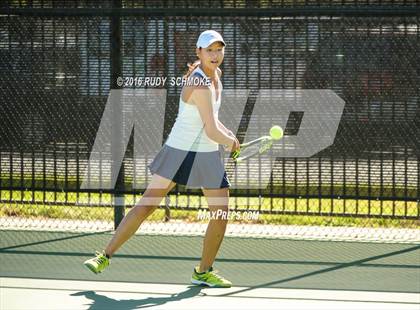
point(191, 157)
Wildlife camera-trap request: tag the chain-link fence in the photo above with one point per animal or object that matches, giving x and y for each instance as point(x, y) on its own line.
point(58, 64)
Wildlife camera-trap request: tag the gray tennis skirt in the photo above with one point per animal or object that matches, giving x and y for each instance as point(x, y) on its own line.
point(192, 169)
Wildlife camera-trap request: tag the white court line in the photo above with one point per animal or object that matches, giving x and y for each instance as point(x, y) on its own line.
point(22, 293)
point(182, 228)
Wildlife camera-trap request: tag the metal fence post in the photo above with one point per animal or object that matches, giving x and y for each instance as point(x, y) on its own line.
point(116, 71)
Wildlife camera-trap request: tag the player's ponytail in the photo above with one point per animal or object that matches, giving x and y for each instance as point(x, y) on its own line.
point(191, 68)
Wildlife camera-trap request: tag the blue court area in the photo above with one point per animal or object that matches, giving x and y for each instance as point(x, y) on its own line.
point(43, 270)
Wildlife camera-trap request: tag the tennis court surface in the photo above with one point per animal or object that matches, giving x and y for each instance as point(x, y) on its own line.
point(43, 270)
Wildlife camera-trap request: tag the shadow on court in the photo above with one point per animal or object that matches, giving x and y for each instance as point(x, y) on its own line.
point(101, 302)
point(359, 262)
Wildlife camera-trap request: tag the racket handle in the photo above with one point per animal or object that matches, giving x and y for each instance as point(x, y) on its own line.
point(235, 154)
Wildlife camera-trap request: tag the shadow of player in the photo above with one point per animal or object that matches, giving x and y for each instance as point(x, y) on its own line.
point(102, 302)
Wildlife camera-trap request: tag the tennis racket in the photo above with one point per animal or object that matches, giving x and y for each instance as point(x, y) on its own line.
point(253, 148)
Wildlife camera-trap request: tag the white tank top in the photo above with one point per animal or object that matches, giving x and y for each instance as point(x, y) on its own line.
point(188, 132)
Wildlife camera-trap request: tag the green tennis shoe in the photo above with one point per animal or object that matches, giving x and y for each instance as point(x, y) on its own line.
point(209, 278)
point(98, 263)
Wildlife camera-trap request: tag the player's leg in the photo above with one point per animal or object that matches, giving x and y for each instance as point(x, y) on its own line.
point(218, 201)
point(153, 195)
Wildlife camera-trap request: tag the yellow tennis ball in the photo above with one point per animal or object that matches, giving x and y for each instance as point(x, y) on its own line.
point(276, 132)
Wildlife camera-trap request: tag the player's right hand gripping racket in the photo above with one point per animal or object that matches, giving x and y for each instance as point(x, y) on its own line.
point(257, 146)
